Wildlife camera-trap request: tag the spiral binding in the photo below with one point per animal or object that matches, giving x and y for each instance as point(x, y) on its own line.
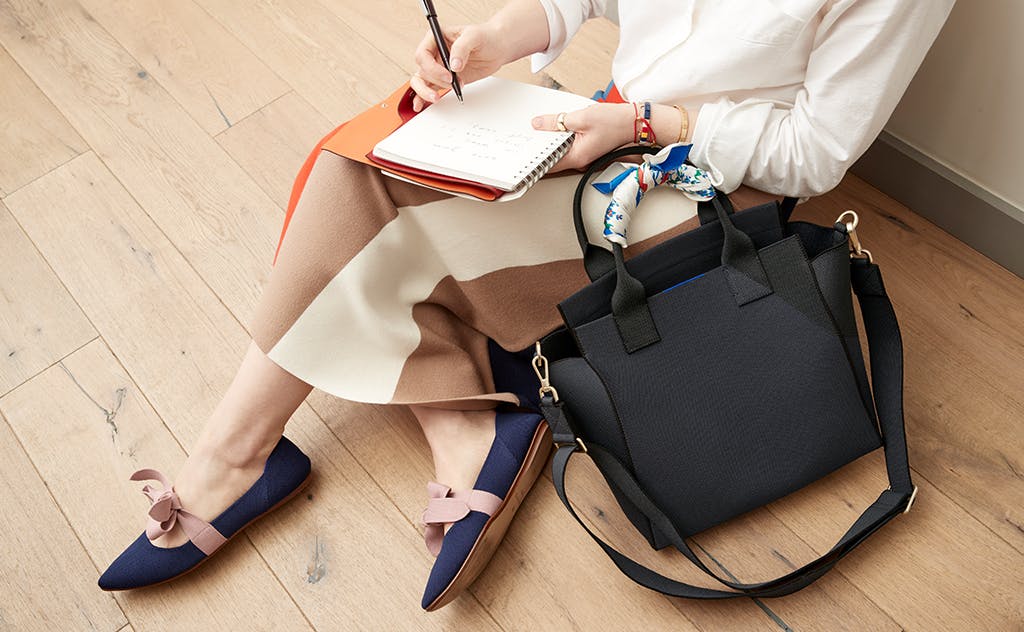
point(545, 165)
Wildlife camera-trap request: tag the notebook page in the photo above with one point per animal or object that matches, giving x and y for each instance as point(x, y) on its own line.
point(488, 138)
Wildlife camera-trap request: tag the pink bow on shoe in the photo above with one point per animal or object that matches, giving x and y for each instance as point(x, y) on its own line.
point(166, 511)
point(446, 507)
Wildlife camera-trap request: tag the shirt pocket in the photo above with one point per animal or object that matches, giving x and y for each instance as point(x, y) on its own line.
point(775, 23)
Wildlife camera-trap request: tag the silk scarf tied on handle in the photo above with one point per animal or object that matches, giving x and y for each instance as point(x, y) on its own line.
point(627, 189)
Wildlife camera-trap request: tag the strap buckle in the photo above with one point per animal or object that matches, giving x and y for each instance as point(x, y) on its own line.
point(910, 503)
point(540, 368)
point(578, 442)
point(851, 221)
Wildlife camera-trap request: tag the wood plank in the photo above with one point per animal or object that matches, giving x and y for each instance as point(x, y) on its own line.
point(934, 568)
point(133, 285)
point(273, 143)
point(963, 335)
point(397, 37)
point(331, 66)
point(544, 576)
point(212, 211)
point(37, 547)
point(180, 346)
point(89, 398)
point(211, 74)
point(39, 321)
point(34, 135)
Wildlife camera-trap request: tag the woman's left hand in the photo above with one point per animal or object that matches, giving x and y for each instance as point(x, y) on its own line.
point(599, 129)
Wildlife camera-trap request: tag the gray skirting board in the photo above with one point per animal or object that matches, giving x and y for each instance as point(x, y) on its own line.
point(982, 220)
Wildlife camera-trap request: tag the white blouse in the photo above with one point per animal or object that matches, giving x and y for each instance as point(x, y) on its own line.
point(789, 93)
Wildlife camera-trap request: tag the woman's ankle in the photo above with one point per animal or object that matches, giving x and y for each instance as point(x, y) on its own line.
point(235, 445)
point(459, 443)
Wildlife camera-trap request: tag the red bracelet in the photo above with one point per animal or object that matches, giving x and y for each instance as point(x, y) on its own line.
point(643, 131)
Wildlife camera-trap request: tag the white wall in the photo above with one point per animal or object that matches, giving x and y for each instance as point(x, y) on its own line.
point(965, 106)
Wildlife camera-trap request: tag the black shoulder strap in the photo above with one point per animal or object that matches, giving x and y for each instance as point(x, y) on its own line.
point(886, 352)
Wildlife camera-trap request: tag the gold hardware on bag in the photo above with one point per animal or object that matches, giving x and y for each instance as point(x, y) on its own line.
point(540, 367)
point(856, 251)
point(910, 503)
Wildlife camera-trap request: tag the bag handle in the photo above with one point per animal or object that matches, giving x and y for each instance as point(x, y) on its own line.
point(886, 352)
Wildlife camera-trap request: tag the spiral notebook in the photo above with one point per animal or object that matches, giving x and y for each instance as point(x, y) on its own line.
point(488, 139)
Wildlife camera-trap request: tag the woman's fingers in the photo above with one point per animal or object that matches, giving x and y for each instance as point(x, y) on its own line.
point(429, 62)
point(467, 40)
point(426, 92)
point(574, 121)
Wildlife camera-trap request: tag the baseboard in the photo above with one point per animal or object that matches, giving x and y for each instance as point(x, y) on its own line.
point(982, 220)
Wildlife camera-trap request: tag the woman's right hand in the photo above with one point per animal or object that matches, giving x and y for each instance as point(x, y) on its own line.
point(475, 52)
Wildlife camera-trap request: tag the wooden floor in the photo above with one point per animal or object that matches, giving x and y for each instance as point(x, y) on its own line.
point(146, 152)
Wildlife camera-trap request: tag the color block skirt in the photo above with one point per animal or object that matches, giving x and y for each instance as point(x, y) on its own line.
point(387, 292)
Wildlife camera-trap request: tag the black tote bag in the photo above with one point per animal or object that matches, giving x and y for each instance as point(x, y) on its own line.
point(721, 370)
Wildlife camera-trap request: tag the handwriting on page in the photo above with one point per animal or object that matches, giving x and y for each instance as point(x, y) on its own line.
point(482, 142)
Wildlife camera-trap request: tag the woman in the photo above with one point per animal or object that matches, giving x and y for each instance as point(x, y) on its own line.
point(385, 292)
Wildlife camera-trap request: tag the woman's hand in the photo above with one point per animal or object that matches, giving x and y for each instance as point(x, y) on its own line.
point(599, 129)
point(475, 52)
point(603, 127)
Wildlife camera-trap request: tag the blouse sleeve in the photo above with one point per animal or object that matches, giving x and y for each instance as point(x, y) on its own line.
point(864, 55)
point(565, 17)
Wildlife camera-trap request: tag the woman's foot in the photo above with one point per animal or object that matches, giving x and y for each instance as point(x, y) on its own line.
point(459, 442)
point(284, 474)
point(466, 523)
point(214, 476)
point(229, 454)
point(239, 468)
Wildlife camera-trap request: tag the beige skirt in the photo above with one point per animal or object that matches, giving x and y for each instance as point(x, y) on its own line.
point(387, 292)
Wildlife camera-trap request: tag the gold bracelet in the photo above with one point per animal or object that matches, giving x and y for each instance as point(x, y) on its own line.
point(684, 123)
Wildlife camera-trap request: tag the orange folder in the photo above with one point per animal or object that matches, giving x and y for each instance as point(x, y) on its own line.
point(357, 138)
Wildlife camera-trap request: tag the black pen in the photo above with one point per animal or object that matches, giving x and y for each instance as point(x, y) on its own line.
point(442, 46)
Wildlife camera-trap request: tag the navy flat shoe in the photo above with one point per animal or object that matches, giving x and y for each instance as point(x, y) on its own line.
point(143, 564)
point(480, 517)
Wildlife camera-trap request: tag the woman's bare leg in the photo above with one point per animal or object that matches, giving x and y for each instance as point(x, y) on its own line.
point(459, 442)
point(229, 454)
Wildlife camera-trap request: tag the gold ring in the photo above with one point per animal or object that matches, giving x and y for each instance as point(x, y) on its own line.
point(560, 122)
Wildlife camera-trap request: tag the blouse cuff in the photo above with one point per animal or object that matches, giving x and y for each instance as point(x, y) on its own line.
point(565, 17)
point(724, 138)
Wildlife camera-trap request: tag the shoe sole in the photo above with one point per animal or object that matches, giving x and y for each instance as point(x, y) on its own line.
point(496, 526)
point(295, 492)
